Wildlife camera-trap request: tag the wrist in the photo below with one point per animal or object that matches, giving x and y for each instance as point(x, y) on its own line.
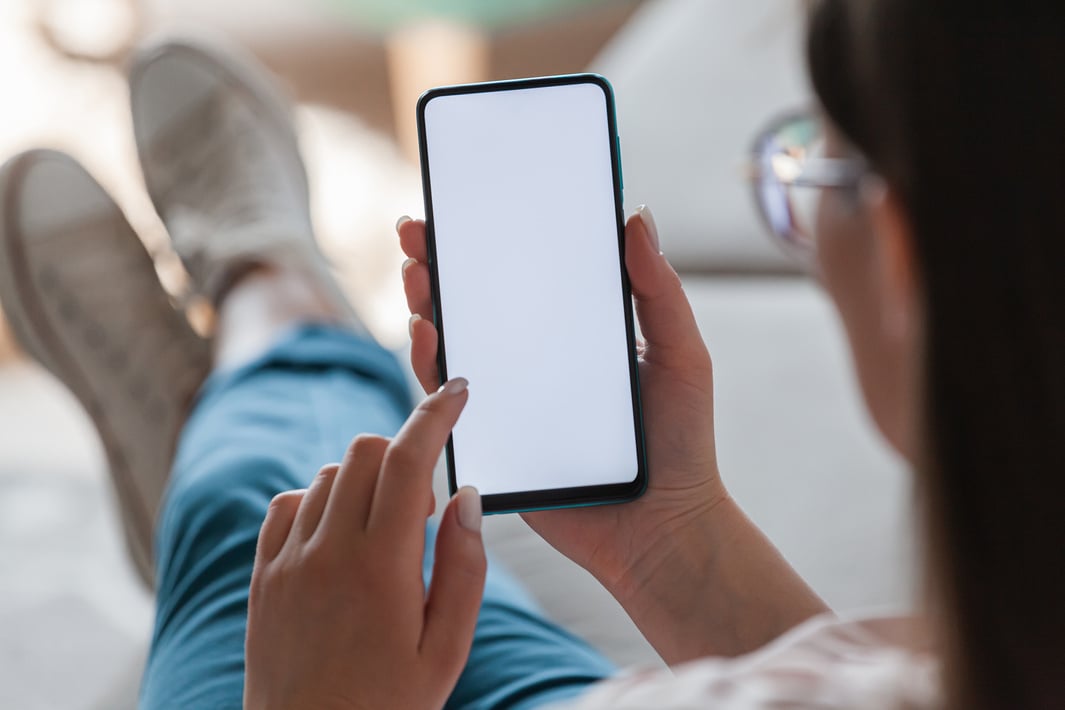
point(707, 582)
point(674, 549)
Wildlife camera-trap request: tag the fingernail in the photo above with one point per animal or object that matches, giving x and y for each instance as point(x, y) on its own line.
point(410, 324)
point(649, 224)
point(401, 221)
point(469, 508)
point(454, 386)
point(403, 267)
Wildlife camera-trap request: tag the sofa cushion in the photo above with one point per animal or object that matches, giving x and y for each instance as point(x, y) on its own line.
point(695, 80)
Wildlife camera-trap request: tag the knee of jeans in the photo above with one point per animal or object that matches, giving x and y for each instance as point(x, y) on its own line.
point(225, 493)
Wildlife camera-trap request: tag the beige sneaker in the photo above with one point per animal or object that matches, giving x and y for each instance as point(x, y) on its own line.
point(222, 164)
point(83, 298)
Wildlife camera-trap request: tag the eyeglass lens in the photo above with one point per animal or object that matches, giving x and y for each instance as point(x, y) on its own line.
point(790, 211)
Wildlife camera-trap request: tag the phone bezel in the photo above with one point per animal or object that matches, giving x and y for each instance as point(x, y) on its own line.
point(545, 499)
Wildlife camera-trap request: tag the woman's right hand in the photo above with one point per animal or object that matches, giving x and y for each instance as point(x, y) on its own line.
point(694, 573)
point(616, 543)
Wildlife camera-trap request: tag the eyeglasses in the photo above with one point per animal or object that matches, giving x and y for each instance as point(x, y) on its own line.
point(787, 167)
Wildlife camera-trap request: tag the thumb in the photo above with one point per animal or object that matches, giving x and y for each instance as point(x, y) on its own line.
point(666, 318)
point(457, 585)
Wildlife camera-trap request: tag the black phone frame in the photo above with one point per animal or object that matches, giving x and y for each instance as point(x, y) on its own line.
point(555, 498)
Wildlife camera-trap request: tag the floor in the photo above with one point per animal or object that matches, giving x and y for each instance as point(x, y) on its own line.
point(71, 608)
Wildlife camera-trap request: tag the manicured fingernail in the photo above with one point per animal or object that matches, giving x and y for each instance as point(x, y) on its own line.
point(649, 224)
point(410, 324)
point(403, 267)
point(401, 221)
point(454, 386)
point(469, 508)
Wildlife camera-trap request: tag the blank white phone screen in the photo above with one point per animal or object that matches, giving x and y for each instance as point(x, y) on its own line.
point(531, 296)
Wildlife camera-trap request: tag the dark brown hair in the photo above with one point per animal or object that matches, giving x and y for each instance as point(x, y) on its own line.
point(960, 107)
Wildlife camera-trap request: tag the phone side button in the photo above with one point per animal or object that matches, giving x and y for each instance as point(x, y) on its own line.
point(621, 169)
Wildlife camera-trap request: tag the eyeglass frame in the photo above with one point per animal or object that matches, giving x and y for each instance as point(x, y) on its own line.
point(787, 171)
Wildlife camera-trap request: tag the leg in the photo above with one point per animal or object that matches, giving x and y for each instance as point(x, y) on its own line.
point(286, 396)
point(520, 658)
point(265, 427)
point(259, 429)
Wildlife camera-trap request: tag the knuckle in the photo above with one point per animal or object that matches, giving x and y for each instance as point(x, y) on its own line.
point(673, 283)
point(260, 586)
point(472, 565)
point(469, 572)
point(363, 444)
point(382, 570)
point(315, 562)
point(359, 443)
point(268, 576)
point(466, 563)
point(401, 457)
point(324, 477)
point(425, 362)
point(328, 471)
point(431, 407)
point(284, 574)
point(259, 568)
point(284, 502)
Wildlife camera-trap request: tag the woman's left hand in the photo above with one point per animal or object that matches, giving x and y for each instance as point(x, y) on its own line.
point(338, 615)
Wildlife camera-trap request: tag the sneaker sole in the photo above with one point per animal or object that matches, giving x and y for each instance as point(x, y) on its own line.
point(30, 323)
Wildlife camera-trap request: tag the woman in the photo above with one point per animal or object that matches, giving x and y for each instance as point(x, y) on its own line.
point(938, 122)
point(939, 238)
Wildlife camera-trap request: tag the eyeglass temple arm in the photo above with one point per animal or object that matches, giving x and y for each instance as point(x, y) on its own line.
point(812, 172)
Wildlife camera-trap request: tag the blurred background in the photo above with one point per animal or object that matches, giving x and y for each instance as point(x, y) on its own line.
point(694, 80)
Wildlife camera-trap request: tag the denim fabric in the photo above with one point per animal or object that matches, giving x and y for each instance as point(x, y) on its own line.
point(268, 427)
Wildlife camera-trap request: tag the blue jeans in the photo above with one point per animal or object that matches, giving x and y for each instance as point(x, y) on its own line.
point(268, 427)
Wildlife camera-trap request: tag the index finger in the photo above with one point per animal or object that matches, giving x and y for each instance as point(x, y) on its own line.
point(412, 239)
point(406, 478)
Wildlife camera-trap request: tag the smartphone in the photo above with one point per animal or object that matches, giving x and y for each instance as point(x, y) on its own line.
point(523, 201)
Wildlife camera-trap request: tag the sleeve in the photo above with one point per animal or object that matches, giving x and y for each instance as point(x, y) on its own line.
point(823, 664)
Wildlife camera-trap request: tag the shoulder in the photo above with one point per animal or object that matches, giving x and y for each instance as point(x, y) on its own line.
point(879, 663)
